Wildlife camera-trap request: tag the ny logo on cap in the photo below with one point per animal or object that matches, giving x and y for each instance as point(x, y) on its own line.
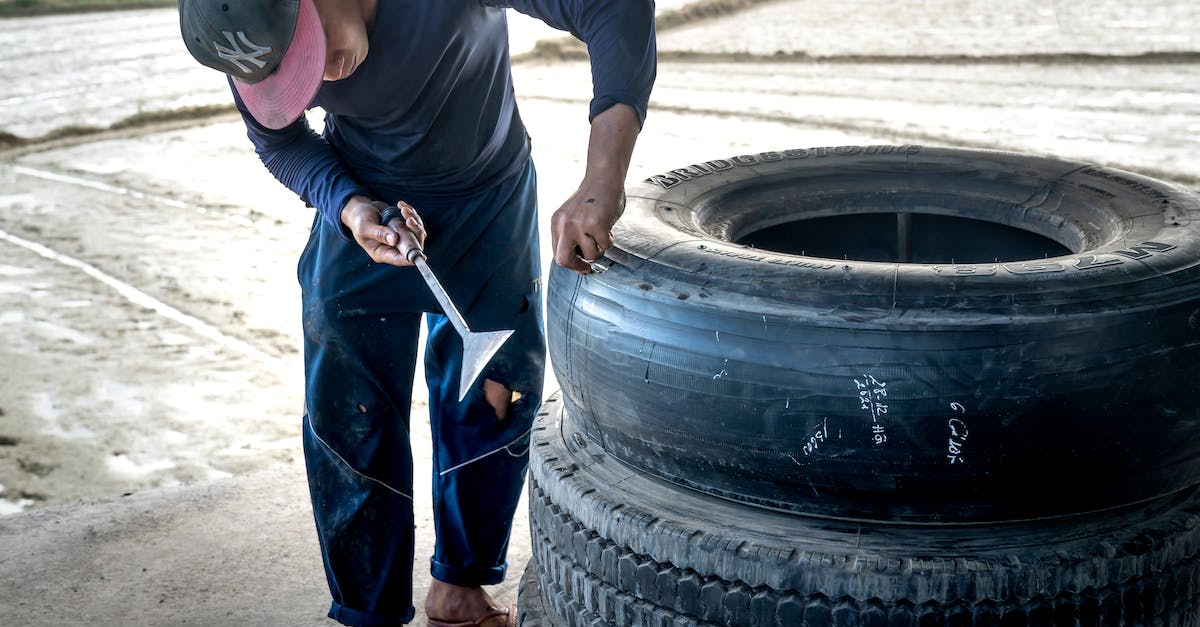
point(236, 55)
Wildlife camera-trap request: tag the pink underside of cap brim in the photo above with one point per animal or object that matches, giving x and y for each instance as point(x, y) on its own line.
point(282, 97)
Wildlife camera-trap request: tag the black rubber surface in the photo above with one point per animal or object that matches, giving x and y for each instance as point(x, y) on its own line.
point(533, 610)
point(614, 546)
point(947, 388)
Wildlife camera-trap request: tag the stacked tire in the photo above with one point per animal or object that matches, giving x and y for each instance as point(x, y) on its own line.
point(877, 386)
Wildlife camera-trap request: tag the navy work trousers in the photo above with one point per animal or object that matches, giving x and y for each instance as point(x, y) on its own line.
point(361, 325)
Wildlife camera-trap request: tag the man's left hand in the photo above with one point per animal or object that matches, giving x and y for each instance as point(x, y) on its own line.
point(581, 229)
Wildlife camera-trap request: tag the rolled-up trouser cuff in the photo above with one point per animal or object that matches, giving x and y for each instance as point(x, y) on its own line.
point(358, 618)
point(469, 577)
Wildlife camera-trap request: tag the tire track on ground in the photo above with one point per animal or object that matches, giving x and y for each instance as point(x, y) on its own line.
point(59, 177)
point(137, 297)
point(129, 289)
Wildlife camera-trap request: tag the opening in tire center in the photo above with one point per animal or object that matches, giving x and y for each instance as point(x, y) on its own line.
point(904, 238)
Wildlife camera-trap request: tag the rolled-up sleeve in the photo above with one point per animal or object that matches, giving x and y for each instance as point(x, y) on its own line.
point(620, 40)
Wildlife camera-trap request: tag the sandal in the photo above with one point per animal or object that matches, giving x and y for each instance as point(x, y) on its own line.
point(506, 617)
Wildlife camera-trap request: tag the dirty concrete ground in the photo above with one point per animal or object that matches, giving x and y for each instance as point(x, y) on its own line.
point(147, 297)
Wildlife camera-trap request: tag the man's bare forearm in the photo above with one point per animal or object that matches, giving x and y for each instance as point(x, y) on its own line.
point(581, 229)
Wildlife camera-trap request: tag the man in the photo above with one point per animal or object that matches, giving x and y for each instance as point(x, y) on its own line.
point(420, 113)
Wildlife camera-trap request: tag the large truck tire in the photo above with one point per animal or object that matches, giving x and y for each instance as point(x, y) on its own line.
point(894, 333)
point(614, 546)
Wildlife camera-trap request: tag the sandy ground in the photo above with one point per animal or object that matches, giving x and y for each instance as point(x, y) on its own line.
point(148, 304)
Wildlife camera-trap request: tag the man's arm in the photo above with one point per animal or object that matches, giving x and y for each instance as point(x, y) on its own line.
point(621, 45)
point(581, 229)
point(306, 164)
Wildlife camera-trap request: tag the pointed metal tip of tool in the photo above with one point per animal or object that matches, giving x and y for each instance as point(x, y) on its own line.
point(478, 348)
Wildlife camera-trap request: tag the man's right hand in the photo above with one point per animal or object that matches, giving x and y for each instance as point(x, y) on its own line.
point(384, 244)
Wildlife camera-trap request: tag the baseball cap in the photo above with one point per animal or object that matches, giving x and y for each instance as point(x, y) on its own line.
point(273, 49)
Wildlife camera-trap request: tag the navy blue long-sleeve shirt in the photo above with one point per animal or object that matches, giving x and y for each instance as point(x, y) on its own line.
point(431, 112)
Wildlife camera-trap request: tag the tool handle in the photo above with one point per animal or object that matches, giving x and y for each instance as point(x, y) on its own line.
point(408, 244)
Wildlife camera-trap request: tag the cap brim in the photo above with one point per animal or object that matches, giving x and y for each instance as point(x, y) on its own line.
point(281, 98)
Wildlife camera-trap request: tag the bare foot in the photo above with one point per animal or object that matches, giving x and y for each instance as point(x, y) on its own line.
point(449, 603)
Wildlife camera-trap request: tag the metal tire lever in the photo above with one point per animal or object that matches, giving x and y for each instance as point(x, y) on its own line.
point(478, 347)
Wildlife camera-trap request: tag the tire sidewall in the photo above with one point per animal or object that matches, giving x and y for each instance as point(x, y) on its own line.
point(742, 372)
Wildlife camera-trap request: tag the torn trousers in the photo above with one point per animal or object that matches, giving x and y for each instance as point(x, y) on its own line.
point(361, 327)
